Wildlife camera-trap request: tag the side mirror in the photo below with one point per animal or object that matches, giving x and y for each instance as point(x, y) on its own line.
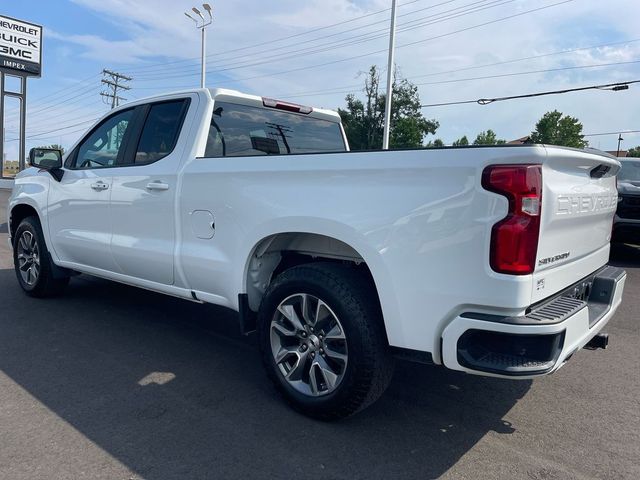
point(45, 158)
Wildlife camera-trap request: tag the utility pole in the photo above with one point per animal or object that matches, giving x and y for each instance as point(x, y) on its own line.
point(113, 81)
point(282, 133)
point(390, 69)
point(202, 25)
point(619, 140)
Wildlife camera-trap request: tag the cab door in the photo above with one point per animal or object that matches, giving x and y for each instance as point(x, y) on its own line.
point(144, 193)
point(79, 205)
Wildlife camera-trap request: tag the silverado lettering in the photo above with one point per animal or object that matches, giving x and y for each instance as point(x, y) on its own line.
point(555, 258)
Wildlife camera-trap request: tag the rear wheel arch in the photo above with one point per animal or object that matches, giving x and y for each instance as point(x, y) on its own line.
point(278, 252)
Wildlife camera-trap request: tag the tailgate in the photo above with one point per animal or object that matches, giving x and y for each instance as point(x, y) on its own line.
point(579, 199)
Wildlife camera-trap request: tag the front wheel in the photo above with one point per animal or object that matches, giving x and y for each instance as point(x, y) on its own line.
point(32, 262)
point(322, 340)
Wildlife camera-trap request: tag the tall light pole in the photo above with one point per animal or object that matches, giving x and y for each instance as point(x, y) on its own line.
point(202, 25)
point(387, 104)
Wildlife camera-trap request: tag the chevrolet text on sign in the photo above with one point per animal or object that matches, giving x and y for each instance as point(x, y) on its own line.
point(20, 46)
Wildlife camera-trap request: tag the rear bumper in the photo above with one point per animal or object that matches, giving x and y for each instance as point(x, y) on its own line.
point(540, 342)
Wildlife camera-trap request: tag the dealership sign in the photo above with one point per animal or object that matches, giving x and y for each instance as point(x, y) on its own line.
point(20, 47)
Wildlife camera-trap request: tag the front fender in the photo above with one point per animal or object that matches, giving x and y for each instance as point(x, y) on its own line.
point(31, 190)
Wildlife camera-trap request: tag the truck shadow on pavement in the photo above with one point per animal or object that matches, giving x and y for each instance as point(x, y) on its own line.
point(171, 390)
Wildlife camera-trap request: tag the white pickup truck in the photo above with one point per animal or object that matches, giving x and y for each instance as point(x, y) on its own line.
point(491, 261)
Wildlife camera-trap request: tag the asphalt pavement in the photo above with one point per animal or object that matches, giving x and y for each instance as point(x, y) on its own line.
point(114, 382)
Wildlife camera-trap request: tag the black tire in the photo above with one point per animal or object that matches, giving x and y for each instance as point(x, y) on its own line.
point(46, 284)
point(349, 293)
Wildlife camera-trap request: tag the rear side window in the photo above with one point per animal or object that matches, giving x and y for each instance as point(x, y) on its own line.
point(238, 130)
point(160, 132)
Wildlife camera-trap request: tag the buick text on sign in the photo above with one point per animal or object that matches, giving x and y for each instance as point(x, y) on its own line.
point(20, 46)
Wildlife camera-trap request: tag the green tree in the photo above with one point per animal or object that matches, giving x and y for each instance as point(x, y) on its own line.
point(436, 143)
point(488, 137)
point(555, 129)
point(634, 152)
point(363, 120)
point(461, 142)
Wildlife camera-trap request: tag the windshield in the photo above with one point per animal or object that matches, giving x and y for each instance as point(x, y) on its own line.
point(630, 171)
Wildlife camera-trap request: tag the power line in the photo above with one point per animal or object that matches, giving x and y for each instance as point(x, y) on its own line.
point(497, 76)
point(353, 40)
point(62, 128)
point(113, 82)
point(308, 67)
point(64, 100)
point(56, 93)
point(355, 57)
point(486, 77)
point(63, 123)
point(35, 135)
point(487, 101)
point(41, 138)
point(376, 52)
point(530, 72)
point(475, 26)
point(337, 90)
point(610, 133)
point(516, 74)
point(331, 46)
point(269, 42)
point(48, 119)
point(532, 57)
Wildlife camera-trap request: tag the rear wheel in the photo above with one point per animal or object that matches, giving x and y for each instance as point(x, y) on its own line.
point(322, 340)
point(32, 262)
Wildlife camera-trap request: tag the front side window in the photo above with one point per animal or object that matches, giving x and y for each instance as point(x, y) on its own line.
point(101, 148)
point(160, 132)
point(238, 130)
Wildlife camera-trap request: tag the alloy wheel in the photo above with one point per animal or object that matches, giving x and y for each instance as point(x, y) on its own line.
point(308, 344)
point(28, 258)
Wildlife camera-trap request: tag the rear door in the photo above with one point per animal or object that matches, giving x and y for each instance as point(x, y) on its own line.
point(579, 200)
point(144, 193)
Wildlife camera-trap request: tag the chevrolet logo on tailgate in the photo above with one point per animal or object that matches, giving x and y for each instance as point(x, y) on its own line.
point(585, 203)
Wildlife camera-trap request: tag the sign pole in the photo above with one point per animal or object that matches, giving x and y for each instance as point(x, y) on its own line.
point(23, 124)
point(20, 58)
point(1, 124)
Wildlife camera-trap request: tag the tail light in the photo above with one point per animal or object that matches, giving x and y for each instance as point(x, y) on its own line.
point(514, 239)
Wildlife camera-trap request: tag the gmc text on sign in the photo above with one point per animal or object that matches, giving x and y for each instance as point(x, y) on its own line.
point(20, 47)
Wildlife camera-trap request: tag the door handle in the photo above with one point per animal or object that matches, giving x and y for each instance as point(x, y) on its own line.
point(99, 186)
point(157, 186)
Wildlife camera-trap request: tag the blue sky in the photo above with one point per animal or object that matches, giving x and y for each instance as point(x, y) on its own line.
point(288, 49)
